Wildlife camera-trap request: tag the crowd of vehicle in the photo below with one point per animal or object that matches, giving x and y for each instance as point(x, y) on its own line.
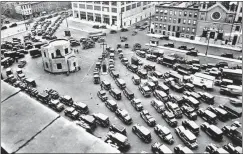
point(182, 79)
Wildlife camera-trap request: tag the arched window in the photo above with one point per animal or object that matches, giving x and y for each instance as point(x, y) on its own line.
point(58, 53)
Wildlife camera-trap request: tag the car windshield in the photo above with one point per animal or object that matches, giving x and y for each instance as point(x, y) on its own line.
point(170, 115)
point(124, 113)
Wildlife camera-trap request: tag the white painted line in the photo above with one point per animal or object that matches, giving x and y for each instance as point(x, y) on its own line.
point(87, 72)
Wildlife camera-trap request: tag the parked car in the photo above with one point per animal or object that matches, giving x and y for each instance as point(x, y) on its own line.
point(227, 55)
point(158, 105)
point(188, 138)
point(128, 93)
point(136, 103)
point(192, 126)
point(115, 93)
point(84, 125)
point(160, 95)
point(164, 133)
point(66, 99)
point(21, 63)
point(206, 97)
point(145, 90)
point(213, 149)
point(123, 115)
point(13, 25)
point(111, 105)
point(72, 113)
point(189, 111)
point(81, 107)
point(149, 67)
point(169, 117)
point(105, 85)
point(221, 113)
point(173, 107)
point(231, 149)
point(158, 147)
point(234, 133)
point(136, 79)
point(118, 139)
point(102, 95)
point(207, 115)
point(142, 74)
point(170, 45)
point(113, 32)
point(101, 119)
point(213, 131)
point(142, 132)
point(146, 116)
point(118, 128)
point(89, 120)
point(179, 149)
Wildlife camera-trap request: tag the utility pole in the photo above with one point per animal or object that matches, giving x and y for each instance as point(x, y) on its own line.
point(103, 45)
point(121, 19)
point(150, 20)
point(207, 44)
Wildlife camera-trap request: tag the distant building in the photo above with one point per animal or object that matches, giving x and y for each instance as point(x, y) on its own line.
point(114, 13)
point(8, 8)
point(58, 57)
point(218, 23)
point(178, 19)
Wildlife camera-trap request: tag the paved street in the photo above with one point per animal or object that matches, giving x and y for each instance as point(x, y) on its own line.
point(80, 86)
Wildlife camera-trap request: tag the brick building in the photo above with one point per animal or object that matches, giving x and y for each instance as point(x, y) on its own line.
point(177, 19)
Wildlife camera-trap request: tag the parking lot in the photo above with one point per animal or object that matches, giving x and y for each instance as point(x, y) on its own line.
point(80, 87)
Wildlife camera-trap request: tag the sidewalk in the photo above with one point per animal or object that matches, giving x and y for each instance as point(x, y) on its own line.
point(198, 42)
point(199, 54)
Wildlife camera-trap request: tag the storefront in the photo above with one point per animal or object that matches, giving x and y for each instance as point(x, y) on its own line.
point(98, 18)
point(106, 19)
point(114, 20)
point(83, 15)
point(90, 17)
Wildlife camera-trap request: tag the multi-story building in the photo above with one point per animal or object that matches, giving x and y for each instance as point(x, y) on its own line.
point(114, 13)
point(177, 19)
point(57, 57)
point(8, 8)
point(24, 9)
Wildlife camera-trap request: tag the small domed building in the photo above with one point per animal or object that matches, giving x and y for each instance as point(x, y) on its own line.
point(58, 57)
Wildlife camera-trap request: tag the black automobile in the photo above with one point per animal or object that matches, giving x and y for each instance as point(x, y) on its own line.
point(113, 32)
point(119, 140)
point(123, 39)
point(176, 99)
point(213, 131)
point(221, 113)
point(13, 25)
point(208, 116)
point(192, 53)
point(120, 83)
point(81, 107)
point(96, 26)
point(111, 105)
point(72, 113)
point(151, 57)
point(173, 107)
point(141, 54)
point(170, 45)
point(43, 97)
point(124, 30)
point(147, 117)
point(179, 149)
point(136, 79)
point(213, 149)
point(149, 67)
point(136, 103)
point(157, 74)
point(233, 150)
point(114, 74)
point(189, 111)
point(124, 116)
point(145, 90)
point(118, 128)
point(222, 64)
point(183, 47)
point(101, 119)
point(142, 132)
point(115, 93)
point(142, 74)
point(66, 99)
point(158, 105)
point(206, 97)
point(89, 120)
point(164, 133)
point(132, 68)
point(169, 117)
point(124, 61)
point(128, 93)
point(21, 63)
point(234, 133)
point(105, 85)
point(227, 55)
point(191, 125)
point(102, 95)
point(187, 137)
point(4, 27)
point(160, 148)
point(84, 125)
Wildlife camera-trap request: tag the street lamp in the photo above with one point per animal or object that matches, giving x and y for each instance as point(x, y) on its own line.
point(207, 44)
point(121, 19)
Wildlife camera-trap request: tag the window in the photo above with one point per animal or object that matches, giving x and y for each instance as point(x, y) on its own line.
point(133, 6)
point(138, 4)
point(59, 66)
point(184, 21)
point(185, 13)
point(128, 7)
point(170, 12)
point(46, 65)
point(66, 51)
point(44, 53)
point(114, 10)
point(173, 28)
point(161, 18)
point(175, 13)
point(97, 8)
point(75, 5)
point(174, 21)
point(240, 9)
point(193, 30)
point(195, 15)
point(97, 2)
point(157, 10)
point(194, 22)
point(170, 19)
point(74, 64)
point(156, 25)
point(237, 28)
point(189, 21)
point(52, 55)
point(178, 28)
point(155, 31)
point(156, 18)
point(90, 7)
point(159, 31)
point(160, 26)
point(182, 35)
point(168, 33)
point(188, 29)
point(165, 18)
point(114, 3)
point(180, 13)
point(144, 3)
point(168, 27)
point(122, 3)
point(122, 9)
point(183, 29)
point(58, 53)
point(162, 11)
point(164, 26)
point(190, 14)
point(105, 3)
point(179, 20)
point(105, 9)
point(128, 2)
point(165, 12)
point(187, 36)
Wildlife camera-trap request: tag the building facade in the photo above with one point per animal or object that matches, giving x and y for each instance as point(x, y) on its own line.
point(178, 19)
point(218, 23)
point(113, 13)
point(58, 57)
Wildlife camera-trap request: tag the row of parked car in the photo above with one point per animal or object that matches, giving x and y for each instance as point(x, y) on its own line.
point(203, 114)
point(12, 25)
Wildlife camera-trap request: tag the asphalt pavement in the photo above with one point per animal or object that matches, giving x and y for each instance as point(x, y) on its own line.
point(80, 87)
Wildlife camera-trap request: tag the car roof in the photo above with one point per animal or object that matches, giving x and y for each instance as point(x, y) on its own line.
point(101, 116)
point(144, 130)
point(158, 102)
point(146, 88)
point(189, 135)
point(123, 111)
point(216, 129)
point(208, 95)
point(67, 97)
point(165, 149)
point(222, 151)
point(121, 81)
point(193, 100)
point(116, 90)
point(119, 136)
point(193, 124)
point(102, 92)
point(136, 76)
point(163, 94)
point(211, 114)
point(112, 102)
point(164, 129)
point(119, 127)
point(81, 104)
point(186, 150)
point(88, 118)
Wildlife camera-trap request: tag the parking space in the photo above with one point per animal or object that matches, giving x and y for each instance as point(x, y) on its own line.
point(80, 87)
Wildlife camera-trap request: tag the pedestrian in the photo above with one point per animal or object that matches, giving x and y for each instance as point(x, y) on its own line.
point(101, 87)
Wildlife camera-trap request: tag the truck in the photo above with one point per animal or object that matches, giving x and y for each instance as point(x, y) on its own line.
point(136, 61)
point(35, 52)
point(203, 80)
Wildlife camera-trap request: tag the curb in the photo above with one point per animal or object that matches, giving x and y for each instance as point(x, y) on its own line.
point(200, 54)
point(14, 34)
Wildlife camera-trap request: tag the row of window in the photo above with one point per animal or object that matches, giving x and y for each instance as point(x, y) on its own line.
point(144, 3)
point(58, 53)
point(25, 6)
point(172, 33)
point(171, 12)
point(133, 6)
point(98, 8)
point(175, 28)
point(179, 20)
